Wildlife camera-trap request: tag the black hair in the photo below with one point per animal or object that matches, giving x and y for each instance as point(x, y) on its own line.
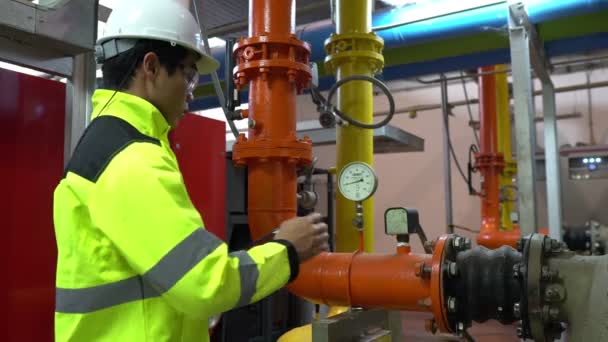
point(118, 71)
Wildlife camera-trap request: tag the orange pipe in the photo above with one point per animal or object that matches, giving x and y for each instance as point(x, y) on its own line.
point(490, 163)
point(275, 65)
point(487, 101)
point(271, 17)
point(498, 238)
point(390, 281)
point(494, 239)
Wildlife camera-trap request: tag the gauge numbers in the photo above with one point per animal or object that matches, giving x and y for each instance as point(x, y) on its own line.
point(357, 181)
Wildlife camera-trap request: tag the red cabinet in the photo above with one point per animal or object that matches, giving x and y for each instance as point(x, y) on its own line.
point(200, 144)
point(32, 123)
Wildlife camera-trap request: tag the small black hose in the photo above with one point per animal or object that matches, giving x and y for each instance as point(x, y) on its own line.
point(343, 116)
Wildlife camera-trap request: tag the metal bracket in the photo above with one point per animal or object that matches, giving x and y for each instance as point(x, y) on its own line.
point(527, 50)
point(538, 58)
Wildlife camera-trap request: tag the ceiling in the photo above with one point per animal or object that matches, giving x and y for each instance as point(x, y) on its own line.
point(229, 18)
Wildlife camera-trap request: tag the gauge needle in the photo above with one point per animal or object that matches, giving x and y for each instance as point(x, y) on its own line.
point(358, 181)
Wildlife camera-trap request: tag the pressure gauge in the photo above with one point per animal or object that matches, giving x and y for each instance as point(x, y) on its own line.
point(357, 181)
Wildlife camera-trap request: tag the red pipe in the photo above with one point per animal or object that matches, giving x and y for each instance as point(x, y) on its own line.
point(275, 65)
point(490, 163)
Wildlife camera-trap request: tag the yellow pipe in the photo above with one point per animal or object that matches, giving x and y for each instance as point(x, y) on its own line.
point(504, 147)
point(304, 333)
point(354, 50)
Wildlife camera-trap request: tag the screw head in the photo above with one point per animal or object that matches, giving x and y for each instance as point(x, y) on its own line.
point(517, 271)
point(548, 274)
point(554, 313)
point(451, 304)
point(461, 244)
point(520, 332)
point(467, 243)
point(423, 271)
point(517, 310)
point(452, 269)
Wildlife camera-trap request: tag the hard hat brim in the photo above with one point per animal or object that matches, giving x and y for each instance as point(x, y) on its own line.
point(207, 64)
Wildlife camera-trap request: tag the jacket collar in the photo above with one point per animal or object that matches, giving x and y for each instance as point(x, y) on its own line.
point(141, 114)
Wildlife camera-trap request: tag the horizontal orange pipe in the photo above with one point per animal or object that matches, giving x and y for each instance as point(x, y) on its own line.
point(494, 238)
point(389, 281)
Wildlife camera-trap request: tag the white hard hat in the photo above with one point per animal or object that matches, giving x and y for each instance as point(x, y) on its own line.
point(166, 20)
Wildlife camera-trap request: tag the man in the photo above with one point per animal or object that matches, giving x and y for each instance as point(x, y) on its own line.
point(134, 260)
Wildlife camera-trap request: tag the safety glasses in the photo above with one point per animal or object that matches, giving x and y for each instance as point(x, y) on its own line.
point(191, 77)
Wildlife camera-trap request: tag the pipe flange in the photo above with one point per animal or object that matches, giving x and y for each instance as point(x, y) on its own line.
point(540, 316)
point(346, 47)
point(445, 298)
point(510, 168)
point(443, 249)
point(297, 152)
point(489, 160)
point(264, 55)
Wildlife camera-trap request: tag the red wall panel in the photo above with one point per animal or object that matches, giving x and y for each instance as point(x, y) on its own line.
point(32, 123)
point(200, 144)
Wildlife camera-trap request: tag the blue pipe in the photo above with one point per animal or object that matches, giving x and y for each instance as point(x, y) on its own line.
point(483, 19)
point(471, 61)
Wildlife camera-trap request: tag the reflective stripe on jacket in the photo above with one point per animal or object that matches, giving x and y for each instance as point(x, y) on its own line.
point(135, 262)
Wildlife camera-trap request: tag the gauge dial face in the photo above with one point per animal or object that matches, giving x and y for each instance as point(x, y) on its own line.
point(357, 181)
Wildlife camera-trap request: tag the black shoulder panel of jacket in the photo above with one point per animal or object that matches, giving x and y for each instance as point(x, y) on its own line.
point(105, 137)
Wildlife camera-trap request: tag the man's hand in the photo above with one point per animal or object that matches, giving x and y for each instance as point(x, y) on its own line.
point(307, 234)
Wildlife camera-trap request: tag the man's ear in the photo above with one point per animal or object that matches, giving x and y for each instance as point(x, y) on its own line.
point(151, 65)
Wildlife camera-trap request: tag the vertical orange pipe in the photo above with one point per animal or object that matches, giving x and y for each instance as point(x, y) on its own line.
point(275, 65)
point(489, 162)
point(273, 17)
point(489, 148)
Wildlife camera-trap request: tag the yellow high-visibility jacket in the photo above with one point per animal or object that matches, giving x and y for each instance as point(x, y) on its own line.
point(135, 262)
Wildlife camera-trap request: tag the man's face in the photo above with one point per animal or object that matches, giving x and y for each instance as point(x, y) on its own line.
point(171, 92)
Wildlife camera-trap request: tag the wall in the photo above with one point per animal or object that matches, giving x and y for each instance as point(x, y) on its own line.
point(416, 179)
